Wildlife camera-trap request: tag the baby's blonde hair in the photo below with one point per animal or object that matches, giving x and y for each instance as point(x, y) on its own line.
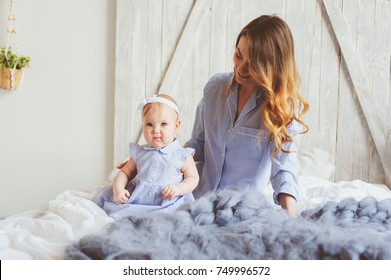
point(157, 105)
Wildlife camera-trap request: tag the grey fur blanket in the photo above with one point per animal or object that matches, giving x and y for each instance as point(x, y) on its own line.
point(231, 225)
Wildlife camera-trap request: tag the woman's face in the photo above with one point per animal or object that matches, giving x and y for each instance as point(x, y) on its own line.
point(242, 63)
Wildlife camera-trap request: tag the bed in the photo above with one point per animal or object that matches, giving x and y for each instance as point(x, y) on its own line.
point(338, 220)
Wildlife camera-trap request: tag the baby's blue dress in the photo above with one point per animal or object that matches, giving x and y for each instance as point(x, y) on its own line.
point(156, 168)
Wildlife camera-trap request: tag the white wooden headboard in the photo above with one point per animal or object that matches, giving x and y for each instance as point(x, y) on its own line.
point(342, 52)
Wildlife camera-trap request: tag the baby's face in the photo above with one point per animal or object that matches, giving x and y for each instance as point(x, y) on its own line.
point(160, 125)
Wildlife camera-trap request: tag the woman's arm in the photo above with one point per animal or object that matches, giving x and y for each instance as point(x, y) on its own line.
point(288, 203)
point(285, 172)
point(197, 135)
point(189, 183)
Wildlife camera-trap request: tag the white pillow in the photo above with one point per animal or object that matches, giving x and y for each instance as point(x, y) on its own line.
point(315, 163)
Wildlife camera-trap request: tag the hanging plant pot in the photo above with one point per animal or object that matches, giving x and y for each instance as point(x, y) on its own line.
point(11, 64)
point(9, 81)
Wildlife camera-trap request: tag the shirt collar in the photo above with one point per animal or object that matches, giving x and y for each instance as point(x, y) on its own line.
point(234, 91)
point(251, 103)
point(173, 146)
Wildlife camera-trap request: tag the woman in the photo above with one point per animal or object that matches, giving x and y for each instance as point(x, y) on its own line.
point(248, 122)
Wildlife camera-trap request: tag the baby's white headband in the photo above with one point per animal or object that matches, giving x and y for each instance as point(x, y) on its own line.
point(154, 99)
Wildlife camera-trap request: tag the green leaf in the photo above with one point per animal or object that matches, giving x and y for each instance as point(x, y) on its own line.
point(11, 59)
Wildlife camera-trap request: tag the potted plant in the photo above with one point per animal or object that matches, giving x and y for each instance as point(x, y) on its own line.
point(11, 68)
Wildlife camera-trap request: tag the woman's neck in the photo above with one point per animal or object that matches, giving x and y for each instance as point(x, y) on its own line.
point(244, 94)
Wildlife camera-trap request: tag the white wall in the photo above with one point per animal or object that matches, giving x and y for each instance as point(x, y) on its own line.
point(56, 130)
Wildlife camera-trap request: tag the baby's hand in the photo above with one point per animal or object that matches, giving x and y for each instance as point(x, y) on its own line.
point(170, 191)
point(121, 197)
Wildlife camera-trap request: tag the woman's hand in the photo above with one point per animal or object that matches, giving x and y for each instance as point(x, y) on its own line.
point(288, 202)
point(122, 164)
point(170, 191)
point(121, 196)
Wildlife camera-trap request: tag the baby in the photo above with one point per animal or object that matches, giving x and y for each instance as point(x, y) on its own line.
point(159, 176)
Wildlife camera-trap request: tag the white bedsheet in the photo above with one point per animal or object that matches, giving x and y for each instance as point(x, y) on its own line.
point(44, 234)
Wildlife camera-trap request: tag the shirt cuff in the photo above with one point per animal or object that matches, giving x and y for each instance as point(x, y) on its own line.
point(287, 189)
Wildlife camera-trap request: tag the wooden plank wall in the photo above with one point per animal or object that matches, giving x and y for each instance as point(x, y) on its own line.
point(148, 32)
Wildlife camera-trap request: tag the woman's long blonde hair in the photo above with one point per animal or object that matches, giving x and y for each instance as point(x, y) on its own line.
point(273, 68)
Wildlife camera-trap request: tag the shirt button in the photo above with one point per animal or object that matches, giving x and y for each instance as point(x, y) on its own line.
point(229, 130)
